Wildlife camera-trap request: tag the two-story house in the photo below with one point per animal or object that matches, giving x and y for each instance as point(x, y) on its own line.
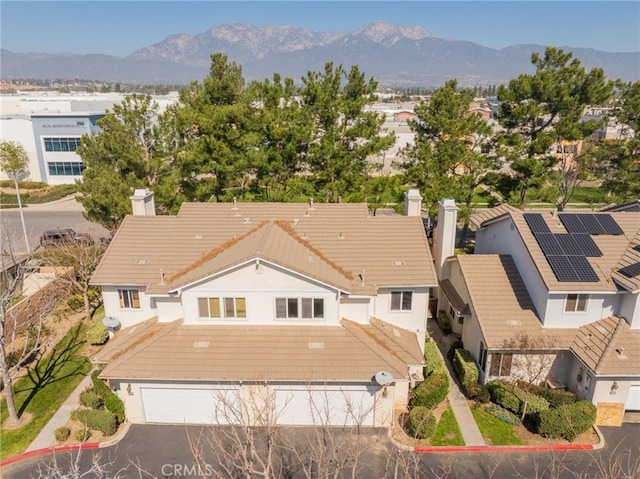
point(287, 313)
point(555, 293)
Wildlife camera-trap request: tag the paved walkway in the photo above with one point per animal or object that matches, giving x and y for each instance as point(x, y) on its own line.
point(47, 435)
point(468, 427)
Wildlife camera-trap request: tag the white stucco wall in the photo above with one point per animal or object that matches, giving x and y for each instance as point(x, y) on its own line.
point(357, 309)
point(599, 306)
point(260, 288)
point(502, 237)
point(414, 320)
point(630, 309)
point(127, 317)
point(168, 309)
point(19, 130)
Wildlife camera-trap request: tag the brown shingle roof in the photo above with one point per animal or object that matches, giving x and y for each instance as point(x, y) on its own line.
point(251, 353)
point(345, 240)
point(501, 302)
point(613, 247)
point(609, 347)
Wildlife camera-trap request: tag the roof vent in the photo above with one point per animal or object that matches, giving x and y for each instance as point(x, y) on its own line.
point(398, 263)
point(201, 344)
point(247, 221)
point(316, 345)
point(197, 237)
point(620, 352)
point(513, 322)
point(311, 259)
point(142, 261)
point(295, 221)
point(340, 235)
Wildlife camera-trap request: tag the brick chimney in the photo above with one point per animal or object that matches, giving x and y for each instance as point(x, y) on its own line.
point(412, 203)
point(142, 202)
point(445, 232)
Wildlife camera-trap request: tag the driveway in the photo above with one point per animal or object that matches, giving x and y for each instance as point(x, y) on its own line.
point(164, 451)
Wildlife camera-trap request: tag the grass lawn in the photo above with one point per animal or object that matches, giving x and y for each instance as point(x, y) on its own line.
point(41, 392)
point(447, 431)
point(499, 433)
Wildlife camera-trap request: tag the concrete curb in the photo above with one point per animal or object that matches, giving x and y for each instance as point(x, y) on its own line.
point(48, 450)
point(561, 447)
point(70, 447)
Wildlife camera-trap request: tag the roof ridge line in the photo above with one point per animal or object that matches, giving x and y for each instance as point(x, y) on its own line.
point(211, 254)
point(392, 353)
point(609, 347)
point(286, 227)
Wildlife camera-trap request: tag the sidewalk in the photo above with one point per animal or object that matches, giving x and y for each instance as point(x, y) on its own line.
point(468, 427)
point(47, 435)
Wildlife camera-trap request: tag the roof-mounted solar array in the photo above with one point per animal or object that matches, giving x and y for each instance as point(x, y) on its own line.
point(631, 271)
point(595, 224)
point(567, 253)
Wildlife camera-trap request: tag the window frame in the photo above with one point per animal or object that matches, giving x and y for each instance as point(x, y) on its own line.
point(576, 303)
point(226, 307)
point(497, 369)
point(130, 296)
point(401, 294)
point(285, 306)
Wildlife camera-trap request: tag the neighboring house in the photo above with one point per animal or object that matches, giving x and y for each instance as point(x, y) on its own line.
point(550, 298)
point(299, 313)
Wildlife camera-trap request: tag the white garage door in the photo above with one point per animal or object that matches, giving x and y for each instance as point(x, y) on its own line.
point(352, 405)
point(189, 406)
point(633, 398)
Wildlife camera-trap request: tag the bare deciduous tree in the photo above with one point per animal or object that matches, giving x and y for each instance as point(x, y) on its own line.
point(22, 325)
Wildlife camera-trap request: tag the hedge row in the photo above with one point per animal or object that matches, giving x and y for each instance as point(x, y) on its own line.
point(98, 419)
point(515, 399)
point(465, 367)
point(112, 402)
point(567, 421)
point(555, 397)
point(432, 391)
point(90, 399)
point(443, 322)
point(422, 423)
point(432, 358)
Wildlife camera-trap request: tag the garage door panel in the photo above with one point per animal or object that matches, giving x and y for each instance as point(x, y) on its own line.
point(328, 407)
point(633, 398)
point(189, 406)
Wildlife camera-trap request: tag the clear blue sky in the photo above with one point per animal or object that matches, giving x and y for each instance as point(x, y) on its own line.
point(121, 27)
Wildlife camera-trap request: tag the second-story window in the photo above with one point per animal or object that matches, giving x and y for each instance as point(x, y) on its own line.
point(129, 298)
point(302, 308)
point(576, 303)
point(230, 308)
point(401, 300)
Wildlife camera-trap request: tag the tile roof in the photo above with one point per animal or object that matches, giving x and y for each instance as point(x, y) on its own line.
point(614, 248)
point(342, 240)
point(501, 302)
point(254, 353)
point(609, 347)
point(630, 257)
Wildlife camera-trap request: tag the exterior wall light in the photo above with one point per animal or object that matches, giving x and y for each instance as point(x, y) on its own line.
point(129, 390)
point(614, 387)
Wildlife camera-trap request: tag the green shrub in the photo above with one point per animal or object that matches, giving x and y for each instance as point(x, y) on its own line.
point(115, 405)
point(432, 358)
point(83, 434)
point(476, 392)
point(422, 423)
point(555, 397)
point(567, 421)
point(98, 419)
point(432, 391)
point(443, 322)
point(504, 415)
point(90, 399)
point(465, 367)
point(97, 334)
point(452, 350)
point(111, 401)
point(62, 433)
point(510, 397)
point(75, 302)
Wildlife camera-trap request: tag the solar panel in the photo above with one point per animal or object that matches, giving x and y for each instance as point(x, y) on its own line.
point(562, 268)
point(568, 245)
point(609, 224)
point(549, 244)
point(536, 223)
point(631, 271)
point(585, 243)
point(572, 223)
point(592, 224)
point(583, 269)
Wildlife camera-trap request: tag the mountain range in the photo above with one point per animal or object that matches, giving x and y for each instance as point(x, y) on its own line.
point(395, 56)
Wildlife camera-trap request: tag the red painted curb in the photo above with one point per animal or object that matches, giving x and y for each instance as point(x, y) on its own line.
point(48, 450)
point(567, 447)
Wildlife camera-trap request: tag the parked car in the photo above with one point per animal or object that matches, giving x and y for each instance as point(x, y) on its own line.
point(63, 237)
